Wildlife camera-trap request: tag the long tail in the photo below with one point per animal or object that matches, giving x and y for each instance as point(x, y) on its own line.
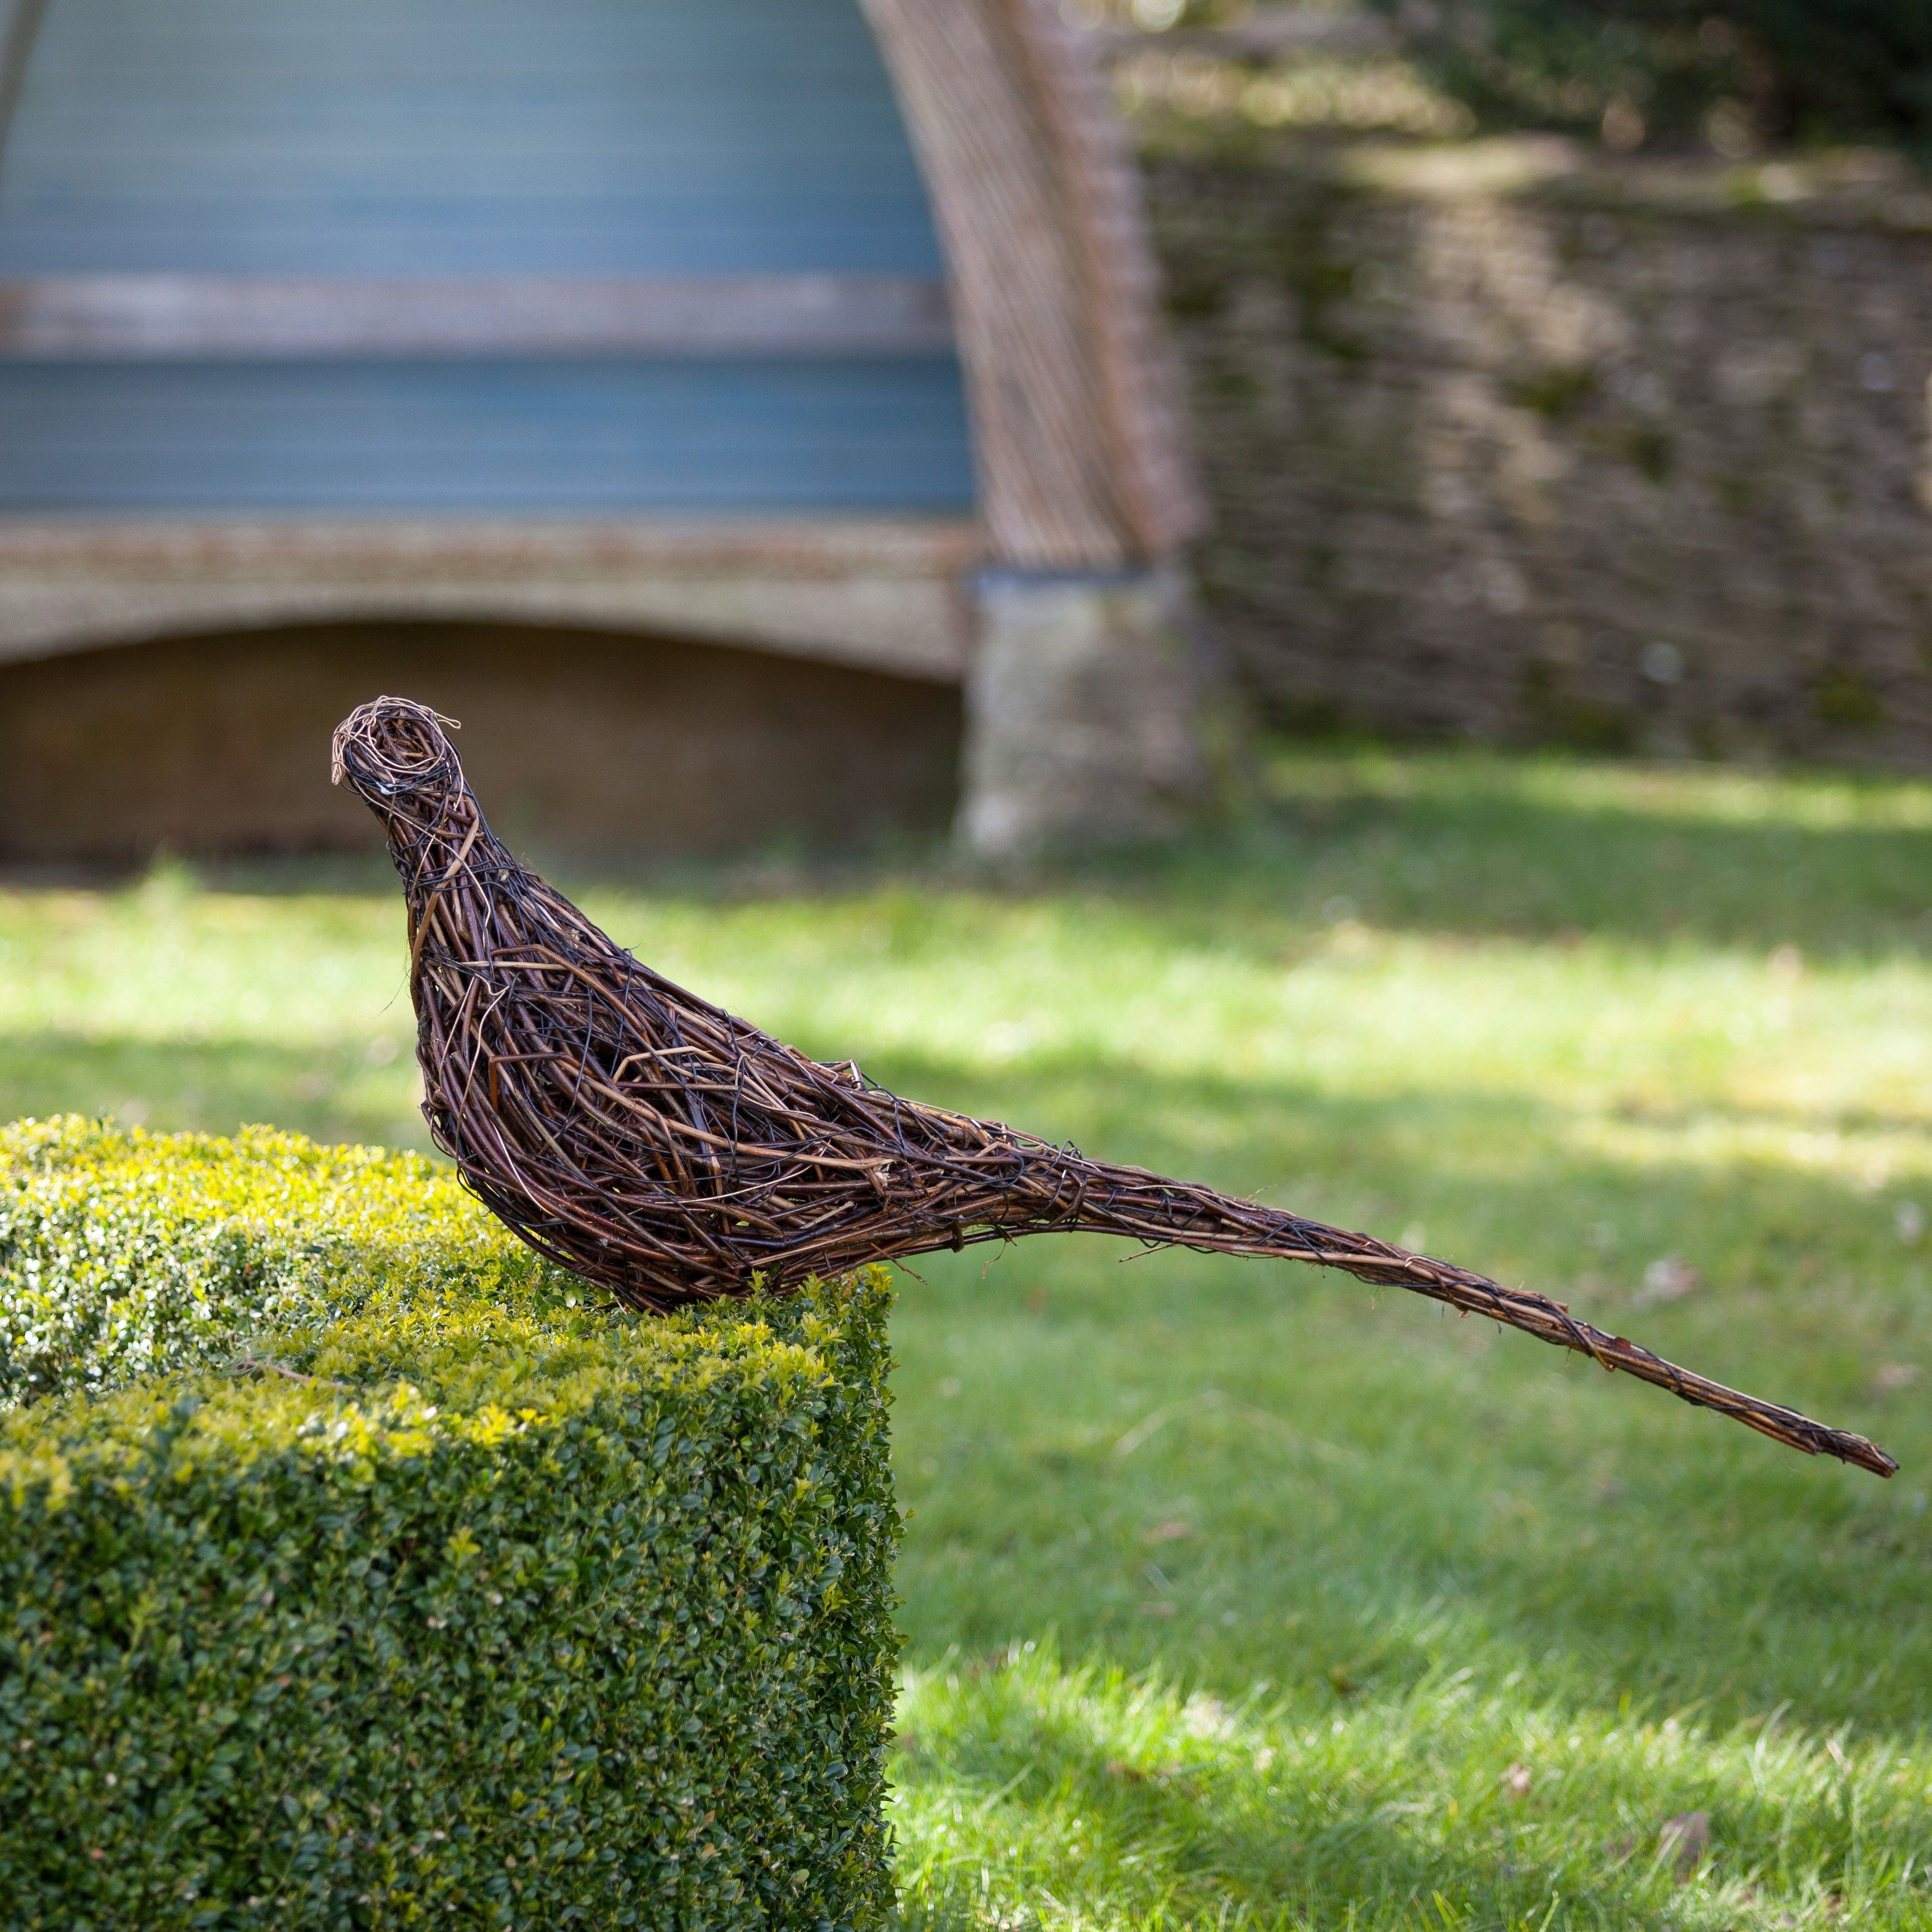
point(1166, 1214)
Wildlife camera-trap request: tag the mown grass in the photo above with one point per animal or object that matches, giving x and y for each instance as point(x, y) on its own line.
point(1235, 1595)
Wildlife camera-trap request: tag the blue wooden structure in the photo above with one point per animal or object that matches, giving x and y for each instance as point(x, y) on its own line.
point(467, 139)
point(821, 329)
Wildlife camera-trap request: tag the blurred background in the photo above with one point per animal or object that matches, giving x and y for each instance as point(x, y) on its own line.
point(702, 393)
point(1336, 601)
point(1559, 368)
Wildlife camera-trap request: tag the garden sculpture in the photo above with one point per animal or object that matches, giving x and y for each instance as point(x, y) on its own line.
point(653, 1143)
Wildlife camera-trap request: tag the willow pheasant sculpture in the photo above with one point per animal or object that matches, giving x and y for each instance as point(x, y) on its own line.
point(650, 1141)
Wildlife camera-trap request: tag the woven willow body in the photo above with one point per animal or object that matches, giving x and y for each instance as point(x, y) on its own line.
point(651, 1142)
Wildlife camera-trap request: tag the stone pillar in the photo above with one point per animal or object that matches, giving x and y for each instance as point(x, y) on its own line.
point(1084, 711)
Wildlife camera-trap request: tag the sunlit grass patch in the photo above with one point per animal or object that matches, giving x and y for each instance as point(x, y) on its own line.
point(1029, 1794)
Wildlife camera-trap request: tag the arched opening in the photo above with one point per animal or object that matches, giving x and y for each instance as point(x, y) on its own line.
point(582, 743)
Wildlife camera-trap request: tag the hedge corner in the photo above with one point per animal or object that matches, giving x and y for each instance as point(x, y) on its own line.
point(357, 1569)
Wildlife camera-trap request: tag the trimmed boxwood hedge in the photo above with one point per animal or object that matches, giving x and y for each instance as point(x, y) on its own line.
point(357, 1569)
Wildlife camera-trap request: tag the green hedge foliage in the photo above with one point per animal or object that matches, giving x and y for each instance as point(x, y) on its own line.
point(1811, 70)
point(357, 1569)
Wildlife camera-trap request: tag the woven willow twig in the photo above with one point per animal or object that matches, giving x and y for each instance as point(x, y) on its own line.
point(648, 1141)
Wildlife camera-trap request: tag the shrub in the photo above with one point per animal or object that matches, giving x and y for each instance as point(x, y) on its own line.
point(357, 1571)
point(1816, 70)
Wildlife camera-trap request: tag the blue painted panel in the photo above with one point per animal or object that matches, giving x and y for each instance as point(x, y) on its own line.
point(565, 438)
point(460, 136)
point(469, 137)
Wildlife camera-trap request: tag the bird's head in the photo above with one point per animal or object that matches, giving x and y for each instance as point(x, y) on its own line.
point(398, 760)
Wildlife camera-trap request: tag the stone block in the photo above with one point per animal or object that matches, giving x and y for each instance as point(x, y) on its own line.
point(1086, 705)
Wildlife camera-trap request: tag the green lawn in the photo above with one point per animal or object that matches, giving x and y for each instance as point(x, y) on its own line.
point(1234, 1593)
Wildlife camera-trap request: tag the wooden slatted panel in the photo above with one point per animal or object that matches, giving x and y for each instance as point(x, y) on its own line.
point(471, 138)
point(475, 436)
point(115, 317)
point(459, 136)
point(19, 24)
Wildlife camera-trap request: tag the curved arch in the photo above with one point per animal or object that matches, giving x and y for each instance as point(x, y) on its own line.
point(1082, 461)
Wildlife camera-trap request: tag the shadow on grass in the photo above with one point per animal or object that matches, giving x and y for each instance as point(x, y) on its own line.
point(1372, 1501)
point(1502, 1167)
point(1480, 859)
point(1465, 844)
point(1476, 861)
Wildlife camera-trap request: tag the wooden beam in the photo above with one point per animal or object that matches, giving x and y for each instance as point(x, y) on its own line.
point(878, 593)
point(256, 317)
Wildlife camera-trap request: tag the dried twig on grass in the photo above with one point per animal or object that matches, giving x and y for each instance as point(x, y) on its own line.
point(655, 1143)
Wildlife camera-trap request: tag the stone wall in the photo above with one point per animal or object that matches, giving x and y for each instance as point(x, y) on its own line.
point(1510, 442)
